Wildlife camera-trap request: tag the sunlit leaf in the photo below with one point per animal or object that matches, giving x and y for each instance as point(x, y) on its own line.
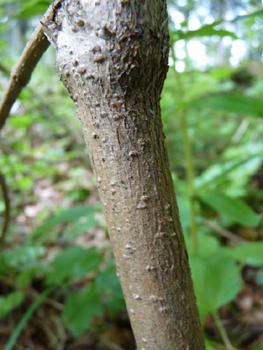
point(25, 182)
point(209, 345)
point(234, 209)
point(246, 163)
point(24, 121)
point(31, 8)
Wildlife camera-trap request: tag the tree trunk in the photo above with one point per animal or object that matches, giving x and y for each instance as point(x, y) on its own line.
point(112, 57)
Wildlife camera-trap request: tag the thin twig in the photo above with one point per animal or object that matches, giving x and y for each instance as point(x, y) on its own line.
point(223, 332)
point(22, 71)
point(223, 232)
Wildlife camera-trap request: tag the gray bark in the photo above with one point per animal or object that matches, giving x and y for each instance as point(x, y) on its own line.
point(112, 57)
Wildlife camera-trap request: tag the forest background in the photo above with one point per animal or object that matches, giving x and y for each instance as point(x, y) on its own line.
point(58, 283)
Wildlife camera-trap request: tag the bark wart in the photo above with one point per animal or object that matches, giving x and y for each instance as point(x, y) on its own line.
point(112, 58)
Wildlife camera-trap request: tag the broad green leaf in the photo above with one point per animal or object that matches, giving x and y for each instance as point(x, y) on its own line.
point(233, 209)
point(232, 104)
point(250, 253)
point(216, 281)
point(11, 301)
point(207, 244)
point(80, 309)
point(70, 215)
point(74, 262)
point(108, 285)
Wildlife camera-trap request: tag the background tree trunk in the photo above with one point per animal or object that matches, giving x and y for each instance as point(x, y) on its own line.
point(112, 57)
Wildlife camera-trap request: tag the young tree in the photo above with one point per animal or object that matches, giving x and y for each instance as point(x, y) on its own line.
point(112, 57)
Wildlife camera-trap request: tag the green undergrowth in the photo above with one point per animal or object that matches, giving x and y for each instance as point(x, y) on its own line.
point(56, 248)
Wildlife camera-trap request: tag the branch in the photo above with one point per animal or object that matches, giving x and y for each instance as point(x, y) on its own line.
point(22, 71)
point(223, 232)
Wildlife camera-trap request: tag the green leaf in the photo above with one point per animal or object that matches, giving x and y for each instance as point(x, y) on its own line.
point(233, 209)
point(108, 285)
point(33, 8)
point(216, 281)
point(25, 183)
point(70, 215)
point(245, 163)
point(19, 257)
point(23, 322)
point(232, 104)
point(209, 345)
point(25, 277)
point(249, 254)
point(11, 301)
point(74, 262)
point(253, 14)
point(206, 30)
point(184, 210)
point(80, 309)
point(207, 244)
point(24, 121)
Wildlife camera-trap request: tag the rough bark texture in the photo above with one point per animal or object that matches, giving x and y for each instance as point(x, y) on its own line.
point(112, 57)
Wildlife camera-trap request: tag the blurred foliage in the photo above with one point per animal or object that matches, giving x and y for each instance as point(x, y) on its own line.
point(57, 240)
